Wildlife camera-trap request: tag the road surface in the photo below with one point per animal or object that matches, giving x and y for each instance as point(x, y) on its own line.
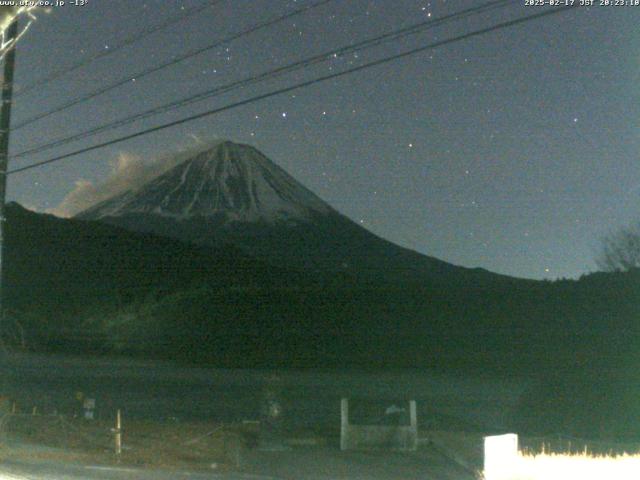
point(309, 463)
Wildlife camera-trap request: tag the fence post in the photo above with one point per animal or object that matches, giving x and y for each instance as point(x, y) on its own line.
point(118, 434)
point(344, 424)
point(413, 414)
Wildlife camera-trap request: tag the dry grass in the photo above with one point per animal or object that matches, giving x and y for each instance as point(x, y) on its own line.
point(583, 466)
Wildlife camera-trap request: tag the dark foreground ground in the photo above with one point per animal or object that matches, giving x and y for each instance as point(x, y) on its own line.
point(161, 394)
point(313, 463)
point(311, 398)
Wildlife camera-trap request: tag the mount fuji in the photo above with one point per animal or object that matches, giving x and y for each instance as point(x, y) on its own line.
point(261, 272)
point(231, 183)
point(233, 194)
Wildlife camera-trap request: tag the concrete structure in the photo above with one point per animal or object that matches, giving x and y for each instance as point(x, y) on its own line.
point(365, 437)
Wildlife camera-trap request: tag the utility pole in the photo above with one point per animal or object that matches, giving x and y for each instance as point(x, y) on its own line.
point(5, 124)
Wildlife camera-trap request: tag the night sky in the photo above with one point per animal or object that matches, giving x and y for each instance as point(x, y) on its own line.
point(516, 151)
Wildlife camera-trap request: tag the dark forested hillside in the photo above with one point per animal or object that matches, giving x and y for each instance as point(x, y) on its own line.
point(99, 287)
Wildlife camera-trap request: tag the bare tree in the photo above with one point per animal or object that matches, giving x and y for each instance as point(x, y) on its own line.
point(621, 250)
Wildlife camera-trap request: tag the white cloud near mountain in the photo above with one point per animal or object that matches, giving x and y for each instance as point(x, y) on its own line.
point(128, 172)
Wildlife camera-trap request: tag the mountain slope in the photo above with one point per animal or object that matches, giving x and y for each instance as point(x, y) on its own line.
point(232, 194)
point(91, 286)
point(58, 270)
point(234, 183)
point(77, 286)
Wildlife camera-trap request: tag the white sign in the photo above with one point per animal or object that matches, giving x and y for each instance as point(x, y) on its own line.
point(500, 456)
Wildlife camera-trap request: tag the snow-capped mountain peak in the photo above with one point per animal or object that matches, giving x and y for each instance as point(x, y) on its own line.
point(231, 181)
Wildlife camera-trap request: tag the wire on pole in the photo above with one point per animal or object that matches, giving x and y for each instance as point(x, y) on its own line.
point(298, 86)
point(148, 71)
point(268, 75)
point(115, 48)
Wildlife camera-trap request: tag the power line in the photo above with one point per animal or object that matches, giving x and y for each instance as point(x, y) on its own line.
point(300, 85)
point(125, 43)
point(180, 58)
point(349, 49)
point(369, 43)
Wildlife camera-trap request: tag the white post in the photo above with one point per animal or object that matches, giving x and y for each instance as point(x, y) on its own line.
point(118, 434)
point(344, 424)
point(500, 456)
point(413, 414)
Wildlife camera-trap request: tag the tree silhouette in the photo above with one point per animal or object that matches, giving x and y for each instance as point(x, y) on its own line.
point(621, 250)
